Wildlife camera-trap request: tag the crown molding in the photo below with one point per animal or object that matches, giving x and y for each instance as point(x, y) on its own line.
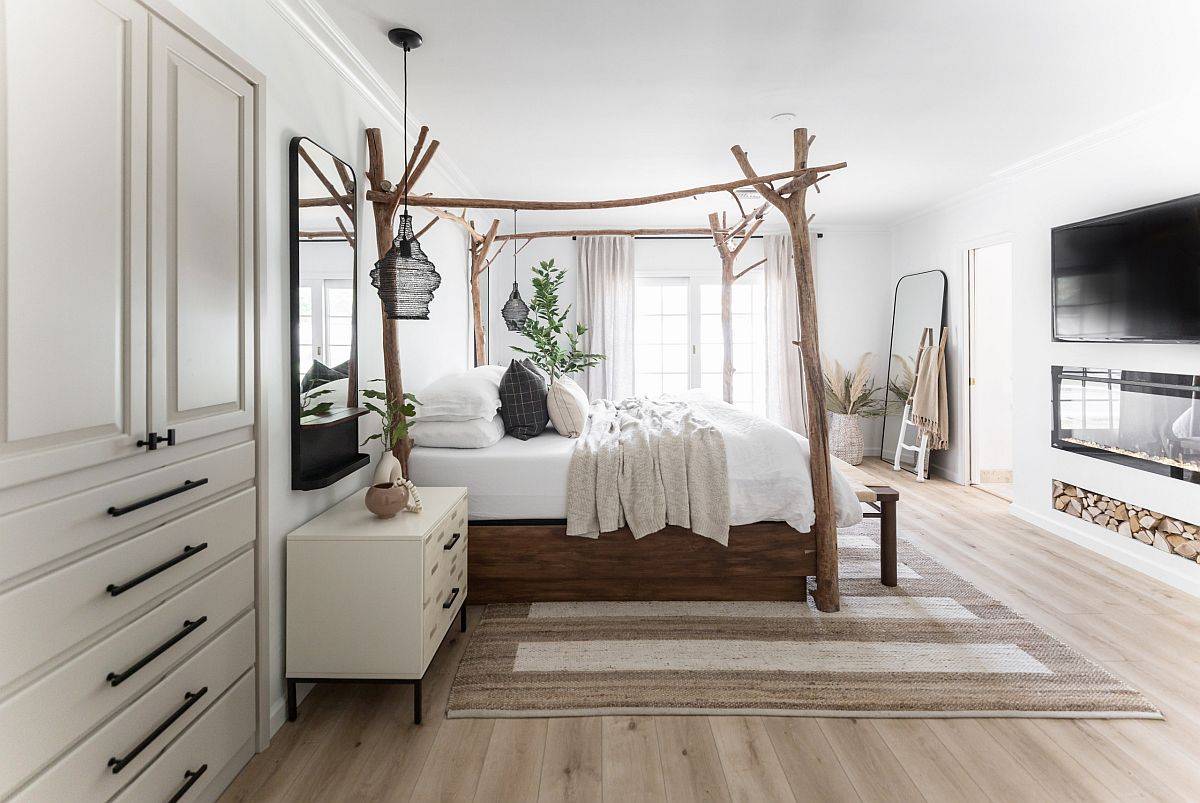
point(1082, 143)
point(981, 191)
point(316, 27)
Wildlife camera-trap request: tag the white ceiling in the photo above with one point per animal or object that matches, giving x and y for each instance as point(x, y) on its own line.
point(557, 99)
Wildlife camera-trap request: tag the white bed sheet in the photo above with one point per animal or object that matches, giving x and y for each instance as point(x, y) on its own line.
point(514, 479)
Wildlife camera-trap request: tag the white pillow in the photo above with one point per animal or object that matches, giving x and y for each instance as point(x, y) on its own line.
point(568, 406)
point(478, 433)
point(461, 397)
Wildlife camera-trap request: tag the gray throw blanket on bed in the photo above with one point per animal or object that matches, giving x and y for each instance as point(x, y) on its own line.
point(647, 463)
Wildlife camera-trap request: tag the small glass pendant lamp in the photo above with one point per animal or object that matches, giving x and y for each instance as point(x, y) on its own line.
point(515, 311)
point(404, 276)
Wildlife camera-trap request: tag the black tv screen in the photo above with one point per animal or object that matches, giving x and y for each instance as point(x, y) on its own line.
point(1132, 276)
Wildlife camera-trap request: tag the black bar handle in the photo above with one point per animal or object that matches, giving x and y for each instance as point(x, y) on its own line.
point(115, 590)
point(189, 778)
point(453, 596)
point(189, 699)
point(117, 678)
point(150, 500)
point(171, 436)
point(454, 540)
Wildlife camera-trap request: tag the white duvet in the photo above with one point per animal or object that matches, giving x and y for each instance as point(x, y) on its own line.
point(769, 478)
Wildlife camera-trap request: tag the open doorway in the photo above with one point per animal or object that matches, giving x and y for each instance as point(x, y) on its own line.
point(990, 383)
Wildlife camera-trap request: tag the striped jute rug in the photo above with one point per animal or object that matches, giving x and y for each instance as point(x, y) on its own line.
point(935, 646)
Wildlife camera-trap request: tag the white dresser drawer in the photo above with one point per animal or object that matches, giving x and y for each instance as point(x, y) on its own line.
point(52, 530)
point(41, 719)
point(86, 772)
point(74, 602)
point(205, 748)
point(437, 618)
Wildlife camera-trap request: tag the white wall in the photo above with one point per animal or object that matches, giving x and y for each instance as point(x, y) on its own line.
point(565, 253)
point(306, 95)
point(1146, 159)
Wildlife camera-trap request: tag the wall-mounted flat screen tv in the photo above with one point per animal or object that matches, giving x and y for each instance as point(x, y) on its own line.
point(1132, 276)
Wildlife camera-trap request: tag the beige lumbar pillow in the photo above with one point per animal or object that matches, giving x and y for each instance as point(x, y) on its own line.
point(568, 406)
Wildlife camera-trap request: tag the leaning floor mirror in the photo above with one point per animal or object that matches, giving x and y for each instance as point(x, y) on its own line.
point(919, 304)
point(324, 318)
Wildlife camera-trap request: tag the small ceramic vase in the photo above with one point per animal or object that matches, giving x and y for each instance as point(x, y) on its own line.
point(388, 470)
point(385, 500)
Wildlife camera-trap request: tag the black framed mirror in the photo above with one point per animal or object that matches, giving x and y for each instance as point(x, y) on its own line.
point(323, 241)
point(919, 304)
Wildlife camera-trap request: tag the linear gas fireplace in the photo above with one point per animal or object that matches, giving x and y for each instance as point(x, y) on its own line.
point(1142, 420)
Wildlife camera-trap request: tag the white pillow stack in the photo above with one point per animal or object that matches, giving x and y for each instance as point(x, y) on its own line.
point(568, 406)
point(459, 411)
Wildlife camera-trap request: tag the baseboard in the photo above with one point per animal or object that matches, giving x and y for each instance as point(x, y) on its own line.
point(225, 776)
point(279, 707)
point(1170, 569)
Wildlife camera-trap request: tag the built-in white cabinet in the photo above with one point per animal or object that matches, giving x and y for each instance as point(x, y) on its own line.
point(128, 488)
point(128, 276)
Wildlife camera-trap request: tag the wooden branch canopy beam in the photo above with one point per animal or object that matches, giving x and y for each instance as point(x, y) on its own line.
point(790, 201)
point(616, 203)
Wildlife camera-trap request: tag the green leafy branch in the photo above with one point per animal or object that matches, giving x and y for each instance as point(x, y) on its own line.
point(547, 325)
point(395, 416)
point(310, 410)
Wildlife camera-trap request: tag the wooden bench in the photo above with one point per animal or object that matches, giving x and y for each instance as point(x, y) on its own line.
point(881, 499)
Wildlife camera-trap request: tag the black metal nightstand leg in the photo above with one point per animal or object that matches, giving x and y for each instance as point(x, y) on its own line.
point(416, 702)
point(291, 700)
point(462, 618)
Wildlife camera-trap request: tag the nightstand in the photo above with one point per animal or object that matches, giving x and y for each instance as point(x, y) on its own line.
point(369, 600)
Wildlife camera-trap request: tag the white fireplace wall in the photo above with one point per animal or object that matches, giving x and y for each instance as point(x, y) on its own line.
point(1145, 159)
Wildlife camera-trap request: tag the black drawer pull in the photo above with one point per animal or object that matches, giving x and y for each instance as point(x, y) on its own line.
point(453, 596)
point(116, 679)
point(150, 500)
point(189, 778)
point(189, 699)
point(450, 544)
point(117, 590)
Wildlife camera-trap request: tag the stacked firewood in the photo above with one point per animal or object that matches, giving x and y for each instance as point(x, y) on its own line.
point(1169, 534)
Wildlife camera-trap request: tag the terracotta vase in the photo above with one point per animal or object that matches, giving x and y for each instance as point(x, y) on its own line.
point(385, 500)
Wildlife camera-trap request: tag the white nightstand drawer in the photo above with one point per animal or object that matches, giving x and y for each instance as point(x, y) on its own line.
point(85, 773)
point(76, 601)
point(203, 749)
point(39, 720)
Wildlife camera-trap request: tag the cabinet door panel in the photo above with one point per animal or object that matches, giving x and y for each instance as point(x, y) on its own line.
point(72, 235)
point(202, 240)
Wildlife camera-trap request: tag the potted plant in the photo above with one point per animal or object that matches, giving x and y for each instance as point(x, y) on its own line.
point(390, 490)
point(850, 397)
point(546, 324)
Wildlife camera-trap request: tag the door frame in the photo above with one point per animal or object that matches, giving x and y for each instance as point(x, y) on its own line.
point(968, 248)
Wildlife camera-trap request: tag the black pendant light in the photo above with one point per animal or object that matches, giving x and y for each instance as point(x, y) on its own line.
point(515, 311)
point(404, 277)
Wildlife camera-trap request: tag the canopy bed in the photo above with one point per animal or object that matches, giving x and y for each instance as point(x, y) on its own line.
point(777, 559)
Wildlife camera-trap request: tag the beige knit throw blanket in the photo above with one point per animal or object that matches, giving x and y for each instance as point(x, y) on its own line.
point(930, 406)
point(647, 463)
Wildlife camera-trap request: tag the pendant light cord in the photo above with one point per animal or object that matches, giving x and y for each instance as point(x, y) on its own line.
point(514, 246)
point(405, 182)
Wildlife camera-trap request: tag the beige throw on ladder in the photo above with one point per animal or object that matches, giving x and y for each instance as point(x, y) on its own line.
point(930, 408)
point(647, 463)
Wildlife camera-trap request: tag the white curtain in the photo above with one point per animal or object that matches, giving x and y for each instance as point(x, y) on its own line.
point(605, 307)
point(785, 378)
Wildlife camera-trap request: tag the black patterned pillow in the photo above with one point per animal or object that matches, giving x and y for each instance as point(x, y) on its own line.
point(319, 374)
point(523, 401)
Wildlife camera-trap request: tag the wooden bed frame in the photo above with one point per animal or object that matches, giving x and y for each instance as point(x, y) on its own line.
point(536, 561)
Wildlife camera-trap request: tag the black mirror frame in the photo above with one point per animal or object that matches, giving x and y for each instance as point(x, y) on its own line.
point(326, 451)
point(892, 345)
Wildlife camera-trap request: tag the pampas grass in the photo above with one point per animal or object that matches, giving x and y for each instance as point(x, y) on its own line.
point(851, 392)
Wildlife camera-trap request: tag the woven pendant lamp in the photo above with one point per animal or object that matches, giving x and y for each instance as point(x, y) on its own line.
point(404, 276)
point(515, 311)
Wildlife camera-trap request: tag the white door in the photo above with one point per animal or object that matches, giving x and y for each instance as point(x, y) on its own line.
point(991, 383)
point(72, 235)
point(202, 240)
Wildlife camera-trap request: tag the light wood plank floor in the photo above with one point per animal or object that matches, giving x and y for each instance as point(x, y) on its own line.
point(358, 742)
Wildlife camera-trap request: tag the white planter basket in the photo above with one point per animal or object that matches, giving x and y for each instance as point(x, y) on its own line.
point(846, 438)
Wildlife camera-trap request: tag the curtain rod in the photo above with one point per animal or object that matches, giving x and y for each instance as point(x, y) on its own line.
point(688, 237)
